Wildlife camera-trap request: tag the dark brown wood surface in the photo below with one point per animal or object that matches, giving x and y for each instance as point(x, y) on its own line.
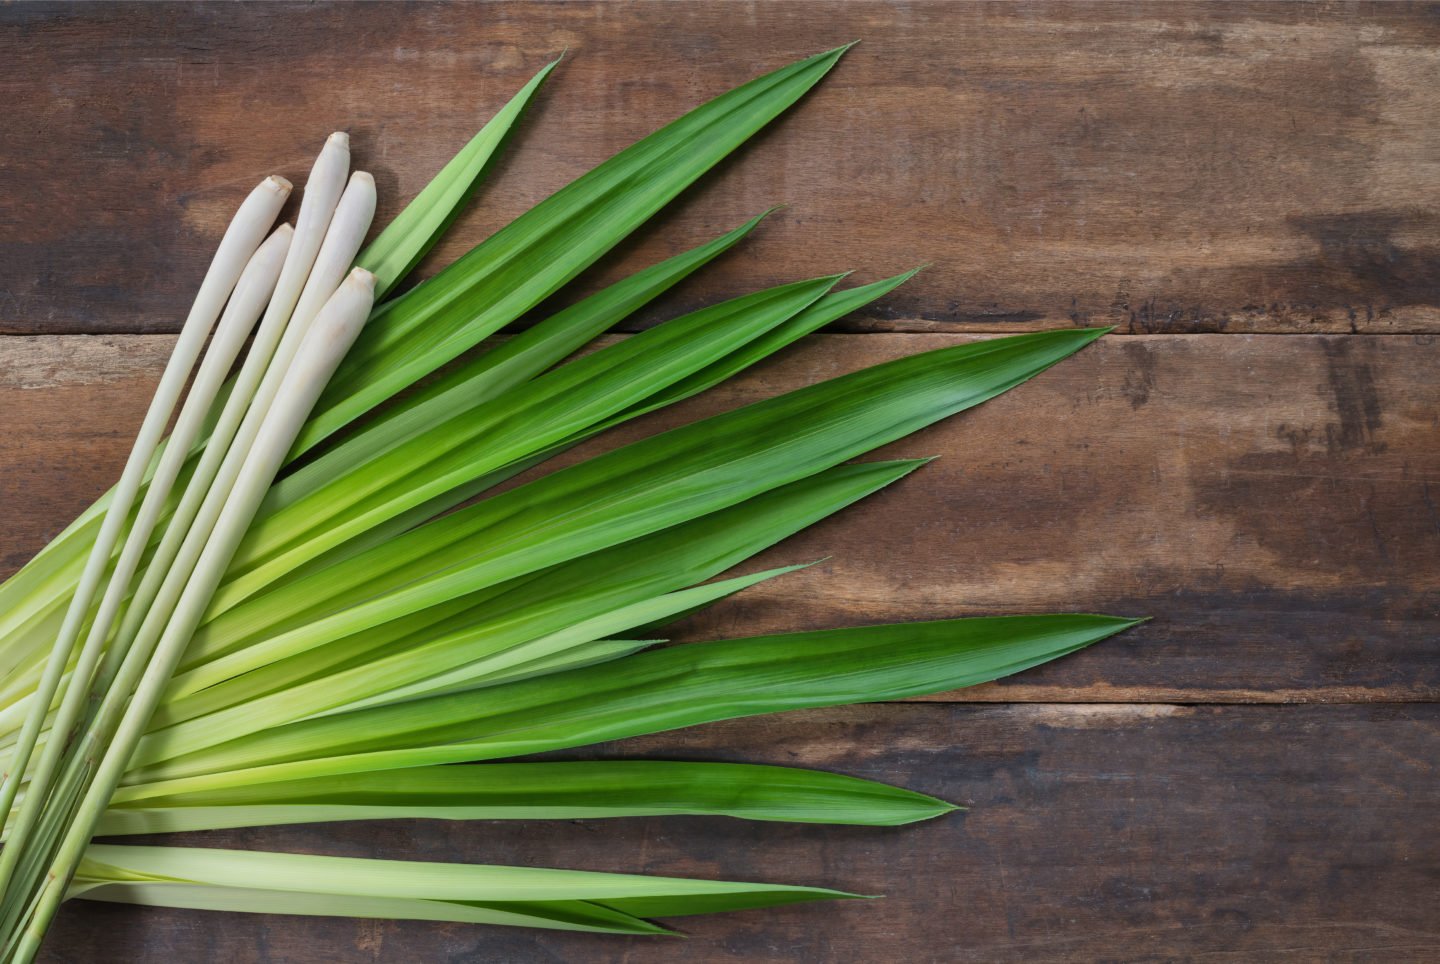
point(1250, 192)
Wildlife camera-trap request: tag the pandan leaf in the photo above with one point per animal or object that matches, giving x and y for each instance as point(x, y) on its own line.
point(415, 880)
point(582, 916)
point(540, 791)
point(415, 230)
point(646, 693)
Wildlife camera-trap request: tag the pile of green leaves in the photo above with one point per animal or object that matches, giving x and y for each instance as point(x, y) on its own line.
point(371, 631)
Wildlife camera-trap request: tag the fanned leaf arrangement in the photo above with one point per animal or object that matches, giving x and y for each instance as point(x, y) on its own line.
point(367, 629)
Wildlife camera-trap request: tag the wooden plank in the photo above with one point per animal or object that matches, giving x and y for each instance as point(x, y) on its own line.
point(1096, 832)
point(1269, 500)
point(1164, 167)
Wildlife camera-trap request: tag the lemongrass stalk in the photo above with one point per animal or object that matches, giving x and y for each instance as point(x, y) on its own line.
point(332, 334)
point(343, 238)
point(252, 292)
point(161, 589)
point(342, 243)
point(250, 297)
point(241, 239)
point(317, 210)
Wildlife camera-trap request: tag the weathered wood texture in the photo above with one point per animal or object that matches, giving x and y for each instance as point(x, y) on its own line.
point(1271, 501)
point(1164, 167)
point(1115, 833)
point(1172, 169)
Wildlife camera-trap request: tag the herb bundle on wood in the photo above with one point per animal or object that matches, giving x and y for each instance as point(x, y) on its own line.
point(295, 608)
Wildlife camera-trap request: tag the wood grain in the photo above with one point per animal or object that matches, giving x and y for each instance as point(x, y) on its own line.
point(1118, 833)
point(1271, 501)
point(1206, 177)
point(1163, 167)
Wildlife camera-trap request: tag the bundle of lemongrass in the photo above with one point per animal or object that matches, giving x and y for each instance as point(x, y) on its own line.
point(239, 650)
point(313, 306)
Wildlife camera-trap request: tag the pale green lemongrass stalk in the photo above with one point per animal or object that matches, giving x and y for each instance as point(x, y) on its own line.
point(322, 194)
point(331, 335)
point(241, 239)
point(251, 294)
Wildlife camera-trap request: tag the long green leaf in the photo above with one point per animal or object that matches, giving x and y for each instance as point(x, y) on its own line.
point(395, 675)
point(650, 692)
point(415, 230)
point(360, 877)
point(526, 261)
point(832, 307)
point(540, 791)
point(582, 916)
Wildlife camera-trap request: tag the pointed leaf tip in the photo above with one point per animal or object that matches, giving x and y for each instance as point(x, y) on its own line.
point(833, 54)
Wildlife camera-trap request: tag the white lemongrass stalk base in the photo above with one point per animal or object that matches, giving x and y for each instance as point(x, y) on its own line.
point(334, 330)
point(241, 239)
point(251, 294)
point(322, 193)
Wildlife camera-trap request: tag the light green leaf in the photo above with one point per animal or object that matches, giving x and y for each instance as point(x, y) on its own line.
point(360, 877)
point(416, 229)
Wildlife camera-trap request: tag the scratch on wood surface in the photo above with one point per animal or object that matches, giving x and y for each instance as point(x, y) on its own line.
point(1084, 716)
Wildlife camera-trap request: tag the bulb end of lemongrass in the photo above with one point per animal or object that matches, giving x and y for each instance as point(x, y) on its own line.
point(277, 183)
point(363, 177)
point(361, 278)
point(285, 230)
point(339, 139)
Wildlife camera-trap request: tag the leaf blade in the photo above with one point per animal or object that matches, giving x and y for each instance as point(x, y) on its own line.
point(588, 790)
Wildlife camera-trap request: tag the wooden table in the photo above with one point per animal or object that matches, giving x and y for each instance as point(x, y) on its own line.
point(1250, 193)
